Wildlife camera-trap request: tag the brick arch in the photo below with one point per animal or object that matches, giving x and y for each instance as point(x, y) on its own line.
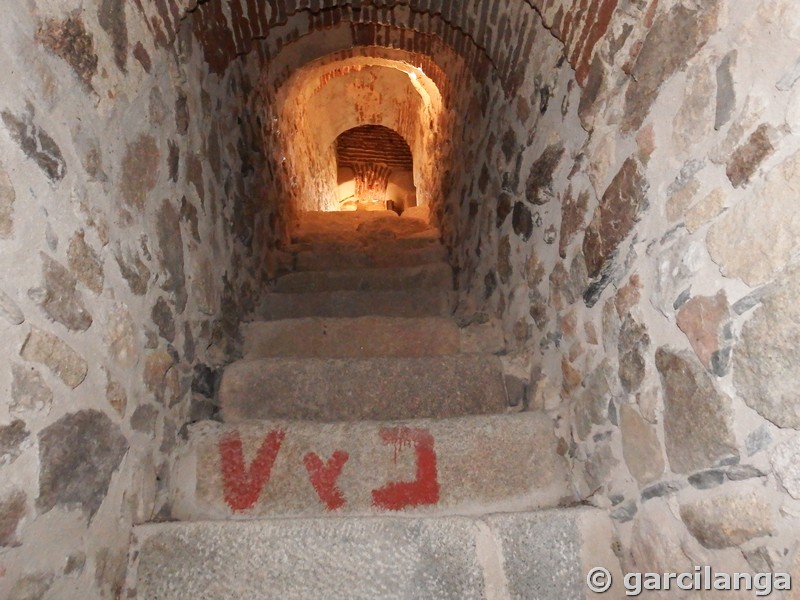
point(444, 75)
point(224, 38)
point(502, 33)
point(317, 86)
point(447, 69)
point(372, 153)
point(373, 143)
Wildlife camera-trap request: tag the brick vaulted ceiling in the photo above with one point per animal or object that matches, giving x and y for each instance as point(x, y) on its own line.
point(373, 144)
point(490, 34)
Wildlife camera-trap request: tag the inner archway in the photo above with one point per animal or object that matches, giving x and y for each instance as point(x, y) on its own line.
point(336, 94)
point(375, 170)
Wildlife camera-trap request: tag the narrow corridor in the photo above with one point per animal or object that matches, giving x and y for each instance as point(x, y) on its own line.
point(584, 294)
point(360, 399)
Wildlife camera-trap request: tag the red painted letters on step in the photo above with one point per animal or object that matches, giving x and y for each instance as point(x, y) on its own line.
point(323, 477)
point(425, 488)
point(243, 485)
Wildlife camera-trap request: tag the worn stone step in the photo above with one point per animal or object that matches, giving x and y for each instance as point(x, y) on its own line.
point(430, 276)
point(324, 389)
point(523, 556)
point(355, 243)
point(300, 468)
point(397, 303)
point(364, 337)
point(398, 253)
point(371, 225)
point(360, 337)
point(342, 220)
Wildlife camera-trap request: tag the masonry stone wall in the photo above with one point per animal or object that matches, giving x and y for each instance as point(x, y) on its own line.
point(129, 249)
point(641, 254)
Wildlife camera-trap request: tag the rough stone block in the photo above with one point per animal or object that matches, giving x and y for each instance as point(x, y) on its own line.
point(12, 436)
point(85, 263)
point(55, 354)
point(60, 300)
point(69, 40)
point(36, 143)
point(28, 389)
point(698, 419)
point(748, 157)
point(731, 516)
point(614, 219)
point(663, 54)
point(640, 446)
point(755, 239)
point(78, 453)
point(13, 508)
point(765, 358)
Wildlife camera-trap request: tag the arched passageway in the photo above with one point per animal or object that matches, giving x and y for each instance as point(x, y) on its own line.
point(607, 188)
point(374, 170)
point(333, 95)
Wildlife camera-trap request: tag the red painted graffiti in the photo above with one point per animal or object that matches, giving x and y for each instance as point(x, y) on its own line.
point(243, 485)
point(323, 477)
point(425, 488)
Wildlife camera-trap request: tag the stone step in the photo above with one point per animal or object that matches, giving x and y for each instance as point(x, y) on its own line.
point(361, 337)
point(528, 556)
point(334, 220)
point(355, 243)
point(394, 303)
point(430, 276)
point(325, 389)
point(425, 466)
point(381, 226)
point(364, 337)
point(397, 253)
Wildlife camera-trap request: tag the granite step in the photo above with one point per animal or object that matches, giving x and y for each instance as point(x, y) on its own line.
point(324, 389)
point(392, 303)
point(395, 253)
point(430, 276)
point(339, 220)
point(353, 241)
point(360, 337)
point(424, 466)
point(374, 225)
point(532, 556)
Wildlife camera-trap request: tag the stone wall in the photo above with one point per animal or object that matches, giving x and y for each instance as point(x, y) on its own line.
point(642, 256)
point(622, 205)
point(129, 248)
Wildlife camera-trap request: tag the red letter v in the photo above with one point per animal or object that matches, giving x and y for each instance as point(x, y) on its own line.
point(243, 485)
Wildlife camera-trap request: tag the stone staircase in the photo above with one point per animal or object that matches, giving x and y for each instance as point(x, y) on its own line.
point(367, 448)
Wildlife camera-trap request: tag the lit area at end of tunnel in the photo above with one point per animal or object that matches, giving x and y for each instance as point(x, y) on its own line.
point(361, 132)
